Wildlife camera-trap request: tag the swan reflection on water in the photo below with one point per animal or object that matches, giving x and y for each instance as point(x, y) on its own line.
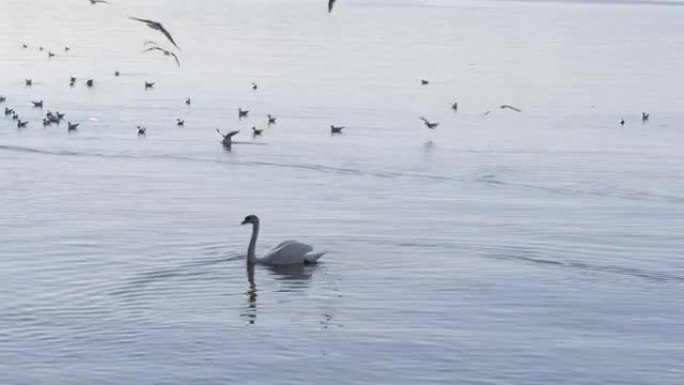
point(293, 278)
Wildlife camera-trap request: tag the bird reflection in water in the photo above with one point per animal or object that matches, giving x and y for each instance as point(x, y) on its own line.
point(293, 278)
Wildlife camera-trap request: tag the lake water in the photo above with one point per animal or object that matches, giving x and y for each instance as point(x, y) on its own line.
point(542, 247)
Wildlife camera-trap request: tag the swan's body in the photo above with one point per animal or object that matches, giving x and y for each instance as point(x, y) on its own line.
point(285, 253)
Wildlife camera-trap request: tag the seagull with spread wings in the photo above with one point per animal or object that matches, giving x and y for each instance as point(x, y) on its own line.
point(156, 26)
point(164, 51)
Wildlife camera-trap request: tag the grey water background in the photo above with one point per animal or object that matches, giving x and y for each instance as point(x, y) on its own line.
point(534, 248)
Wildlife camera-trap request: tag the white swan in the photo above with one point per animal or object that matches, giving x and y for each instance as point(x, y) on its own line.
point(285, 253)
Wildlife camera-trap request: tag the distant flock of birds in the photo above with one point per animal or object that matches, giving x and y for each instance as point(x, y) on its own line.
point(227, 139)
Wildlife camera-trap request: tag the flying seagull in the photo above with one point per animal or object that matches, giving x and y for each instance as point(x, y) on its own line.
point(429, 124)
point(165, 52)
point(506, 106)
point(331, 3)
point(156, 26)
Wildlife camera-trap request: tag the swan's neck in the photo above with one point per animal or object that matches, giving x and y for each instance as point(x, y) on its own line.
point(251, 257)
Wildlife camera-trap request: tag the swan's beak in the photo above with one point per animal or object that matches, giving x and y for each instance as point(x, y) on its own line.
point(244, 222)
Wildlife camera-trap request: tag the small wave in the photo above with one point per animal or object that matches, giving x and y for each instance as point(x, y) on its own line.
point(606, 192)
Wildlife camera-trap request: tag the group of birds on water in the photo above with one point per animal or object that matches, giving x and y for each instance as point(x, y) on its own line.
point(57, 117)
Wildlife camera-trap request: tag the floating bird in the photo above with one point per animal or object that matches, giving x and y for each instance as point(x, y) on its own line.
point(117, 73)
point(28, 82)
point(72, 79)
point(227, 138)
point(141, 131)
point(257, 132)
point(454, 106)
point(24, 46)
point(622, 121)
point(8, 111)
point(254, 86)
point(506, 106)
point(40, 49)
point(336, 129)
point(242, 113)
point(285, 253)
point(2, 99)
point(21, 124)
point(188, 101)
point(486, 113)
point(50, 55)
point(72, 126)
point(644, 116)
point(94, 2)
point(271, 119)
point(90, 82)
point(66, 48)
point(429, 124)
point(180, 122)
point(156, 26)
point(149, 85)
point(424, 82)
point(59, 115)
point(15, 116)
point(165, 52)
point(38, 104)
point(46, 122)
point(331, 3)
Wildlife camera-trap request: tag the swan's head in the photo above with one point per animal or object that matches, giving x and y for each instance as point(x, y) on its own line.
point(250, 219)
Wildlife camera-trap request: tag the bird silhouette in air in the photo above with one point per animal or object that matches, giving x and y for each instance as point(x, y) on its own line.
point(429, 124)
point(506, 106)
point(156, 26)
point(165, 52)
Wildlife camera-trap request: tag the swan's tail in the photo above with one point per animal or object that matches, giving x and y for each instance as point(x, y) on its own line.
point(313, 257)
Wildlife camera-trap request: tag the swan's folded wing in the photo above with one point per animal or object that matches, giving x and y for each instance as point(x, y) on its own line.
point(287, 252)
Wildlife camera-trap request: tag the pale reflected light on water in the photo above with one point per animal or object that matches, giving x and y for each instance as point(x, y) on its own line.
point(541, 247)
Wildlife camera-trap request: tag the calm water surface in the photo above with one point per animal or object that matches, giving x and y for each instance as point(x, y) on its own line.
point(536, 248)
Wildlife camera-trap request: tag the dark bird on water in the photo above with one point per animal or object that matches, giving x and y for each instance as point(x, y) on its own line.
point(165, 52)
point(254, 86)
point(336, 129)
point(94, 2)
point(66, 48)
point(454, 106)
point(117, 73)
point(424, 82)
point(50, 55)
point(141, 130)
point(622, 121)
point(46, 122)
point(271, 119)
point(72, 126)
point(38, 104)
point(149, 85)
point(331, 4)
point(188, 101)
point(90, 82)
point(24, 45)
point(156, 26)
point(227, 138)
point(429, 124)
point(28, 82)
point(506, 106)
point(2, 99)
point(242, 113)
point(8, 111)
point(180, 122)
point(645, 116)
point(21, 124)
point(257, 132)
